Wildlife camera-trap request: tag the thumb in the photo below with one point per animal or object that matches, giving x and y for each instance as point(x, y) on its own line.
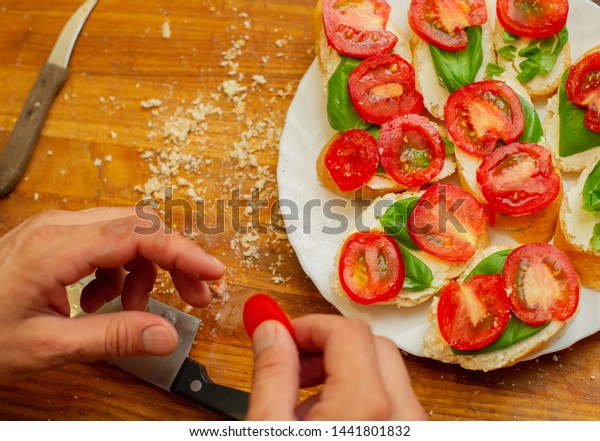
point(276, 373)
point(120, 334)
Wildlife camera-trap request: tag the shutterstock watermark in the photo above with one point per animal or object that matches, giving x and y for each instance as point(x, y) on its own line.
point(245, 213)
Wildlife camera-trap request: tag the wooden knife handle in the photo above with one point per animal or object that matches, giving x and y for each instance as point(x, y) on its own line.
point(26, 133)
point(192, 383)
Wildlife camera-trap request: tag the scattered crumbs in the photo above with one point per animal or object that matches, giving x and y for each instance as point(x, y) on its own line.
point(108, 158)
point(36, 196)
point(113, 134)
point(431, 413)
point(50, 152)
point(166, 29)
point(219, 290)
point(259, 79)
point(153, 102)
point(592, 377)
point(555, 357)
point(97, 162)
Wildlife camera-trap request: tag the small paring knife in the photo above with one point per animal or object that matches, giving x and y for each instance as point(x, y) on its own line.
point(26, 132)
point(183, 376)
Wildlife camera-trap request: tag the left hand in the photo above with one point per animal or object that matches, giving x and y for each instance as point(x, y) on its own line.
point(48, 252)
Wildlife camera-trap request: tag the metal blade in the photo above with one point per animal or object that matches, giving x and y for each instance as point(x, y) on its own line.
point(161, 371)
point(66, 41)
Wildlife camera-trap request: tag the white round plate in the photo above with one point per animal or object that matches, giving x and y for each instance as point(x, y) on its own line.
point(318, 220)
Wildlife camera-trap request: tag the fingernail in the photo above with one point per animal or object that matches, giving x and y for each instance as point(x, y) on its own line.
point(264, 336)
point(159, 340)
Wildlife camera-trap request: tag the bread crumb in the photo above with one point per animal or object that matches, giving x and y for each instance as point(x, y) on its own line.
point(166, 29)
point(97, 162)
point(153, 102)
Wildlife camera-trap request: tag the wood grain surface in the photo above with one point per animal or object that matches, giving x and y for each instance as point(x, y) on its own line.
point(224, 73)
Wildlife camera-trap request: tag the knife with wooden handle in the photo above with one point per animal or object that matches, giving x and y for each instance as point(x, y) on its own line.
point(22, 141)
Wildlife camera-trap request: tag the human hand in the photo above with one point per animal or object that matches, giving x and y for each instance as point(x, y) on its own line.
point(363, 376)
point(50, 251)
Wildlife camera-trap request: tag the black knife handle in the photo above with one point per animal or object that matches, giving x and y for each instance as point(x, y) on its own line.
point(26, 133)
point(192, 383)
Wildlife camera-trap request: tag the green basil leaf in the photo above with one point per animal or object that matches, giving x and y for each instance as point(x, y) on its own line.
point(341, 113)
point(492, 264)
point(493, 70)
point(508, 52)
point(595, 239)
point(529, 51)
point(394, 221)
point(591, 191)
point(449, 146)
point(457, 69)
point(418, 276)
point(574, 137)
point(515, 331)
point(507, 37)
point(533, 131)
point(551, 48)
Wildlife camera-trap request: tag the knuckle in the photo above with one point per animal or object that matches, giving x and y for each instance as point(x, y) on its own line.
point(117, 341)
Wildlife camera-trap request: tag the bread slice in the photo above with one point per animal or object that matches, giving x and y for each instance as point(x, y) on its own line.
point(442, 271)
point(328, 57)
point(574, 230)
point(434, 94)
point(379, 185)
point(541, 86)
point(435, 347)
point(535, 227)
point(551, 126)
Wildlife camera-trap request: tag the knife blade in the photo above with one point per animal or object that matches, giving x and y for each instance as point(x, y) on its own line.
point(180, 374)
point(22, 141)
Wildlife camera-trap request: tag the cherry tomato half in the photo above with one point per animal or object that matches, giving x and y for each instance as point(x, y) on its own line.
point(541, 283)
point(371, 268)
point(473, 314)
point(583, 88)
point(532, 18)
point(352, 159)
point(480, 114)
point(447, 222)
point(411, 149)
point(442, 22)
point(260, 308)
point(383, 87)
point(518, 179)
point(358, 28)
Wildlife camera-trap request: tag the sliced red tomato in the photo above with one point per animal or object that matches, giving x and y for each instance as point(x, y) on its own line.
point(371, 268)
point(383, 87)
point(260, 308)
point(357, 28)
point(442, 22)
point(411, 150)
point(480, 114)
point(446, 222)
point(352, 159)
point(532, 18)
point(583, 88)
point(473, 314)
point(541, 283)
point(518, 179)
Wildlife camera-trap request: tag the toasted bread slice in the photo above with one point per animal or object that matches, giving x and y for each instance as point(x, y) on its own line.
point(442, 271)
point(574, 231)
point(434, 94)
point(435, 347)
point(541, 86)
point(551, 126)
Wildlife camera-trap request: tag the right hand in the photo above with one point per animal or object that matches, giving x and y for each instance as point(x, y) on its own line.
point(363, 376)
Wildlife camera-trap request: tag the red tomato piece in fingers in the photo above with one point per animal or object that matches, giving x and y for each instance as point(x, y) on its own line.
point(447, 222)
point(532, 18)
point(260, 308)
point(371, 268)
point(352, 159)
point(411, 150)
point(583, 88)
point(541, 283)
point(357, 28)
point(442, 22)
point(383, 87)
point(518, 179)
point(480, 114)
point(473, 314)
